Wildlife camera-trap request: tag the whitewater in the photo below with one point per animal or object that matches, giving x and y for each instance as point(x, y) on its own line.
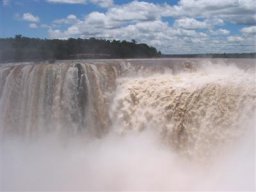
point(135, 124)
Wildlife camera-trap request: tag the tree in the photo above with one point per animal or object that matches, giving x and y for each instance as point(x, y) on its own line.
point(21, 48)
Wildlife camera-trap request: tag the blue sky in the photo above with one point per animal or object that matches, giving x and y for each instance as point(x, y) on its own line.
point(184, 26)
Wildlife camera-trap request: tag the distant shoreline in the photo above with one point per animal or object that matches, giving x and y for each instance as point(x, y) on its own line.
point(164, 56)
point(211, 55)
point(162, 60)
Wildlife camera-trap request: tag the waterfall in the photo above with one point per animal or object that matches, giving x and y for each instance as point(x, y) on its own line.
point(64, 98)
point(194, 111)
point(171, 124)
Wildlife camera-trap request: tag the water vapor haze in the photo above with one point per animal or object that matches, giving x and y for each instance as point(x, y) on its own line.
point(187, 129)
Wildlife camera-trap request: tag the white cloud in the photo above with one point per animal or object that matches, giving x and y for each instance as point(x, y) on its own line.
point(199, 26)
point(30, 18)
point(73, 30)
point(219, 32)
point(103, 3)
point(249, 30)
point(55, 33)
point(235, 39)
point(33, 25)
point(96, 19)
point(68, 1)
point(223, 32)
point(236, 11)
point(155, 33)
point(139, 10)
point(103, 24)
point(190, 23)
point(206, 4)
point(70, 19)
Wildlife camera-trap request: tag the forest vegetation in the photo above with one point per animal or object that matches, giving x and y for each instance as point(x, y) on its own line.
point(19, 49)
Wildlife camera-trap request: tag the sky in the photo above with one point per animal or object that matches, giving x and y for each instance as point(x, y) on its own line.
point(173, 27)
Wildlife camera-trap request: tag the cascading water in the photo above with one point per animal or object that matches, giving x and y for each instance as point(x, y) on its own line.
point(170, 114)
point(36, 99)
point(194, 111)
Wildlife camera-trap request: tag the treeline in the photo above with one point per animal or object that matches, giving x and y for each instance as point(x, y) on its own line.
point(21, 48)
point(212, 55)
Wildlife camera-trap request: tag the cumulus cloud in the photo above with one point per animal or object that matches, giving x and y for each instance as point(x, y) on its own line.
point(139, 11)
point(236, 11)
point(219, 32)
point(223, 32)
point(190, 23)
point(103, 3)
point(198, 25)
point(30, 17)
point(119, 17)
point(249, 30)
point(33, 21)
point(235, 39)
point(70, 19)
point(33, 25)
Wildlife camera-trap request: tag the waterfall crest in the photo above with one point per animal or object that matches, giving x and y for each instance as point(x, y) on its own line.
point(54, 98)
point(194, 105)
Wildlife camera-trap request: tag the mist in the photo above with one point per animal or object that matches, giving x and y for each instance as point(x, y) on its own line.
point(188, 129)
point(138, 161)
